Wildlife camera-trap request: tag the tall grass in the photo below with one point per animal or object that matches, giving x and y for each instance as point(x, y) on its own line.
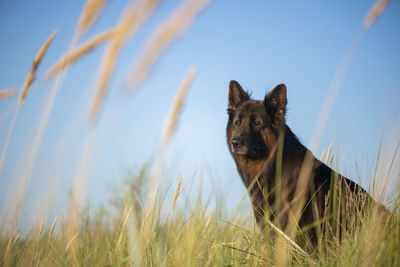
point(139, 234)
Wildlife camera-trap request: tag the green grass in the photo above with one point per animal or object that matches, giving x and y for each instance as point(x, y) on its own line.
point(152, 234)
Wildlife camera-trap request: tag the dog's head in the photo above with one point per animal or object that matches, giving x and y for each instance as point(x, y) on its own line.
point(254, 126)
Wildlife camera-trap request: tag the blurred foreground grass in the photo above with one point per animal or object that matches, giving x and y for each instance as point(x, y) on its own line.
point(154, 234)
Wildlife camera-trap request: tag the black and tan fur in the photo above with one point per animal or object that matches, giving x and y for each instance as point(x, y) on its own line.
point(253, 133)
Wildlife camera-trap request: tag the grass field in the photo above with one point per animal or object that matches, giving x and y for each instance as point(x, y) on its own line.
point(156, 234)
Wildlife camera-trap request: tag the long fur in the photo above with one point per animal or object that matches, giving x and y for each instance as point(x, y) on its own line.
point(254, 131)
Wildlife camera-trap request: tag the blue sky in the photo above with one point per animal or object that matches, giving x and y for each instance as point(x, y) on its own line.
point(258, 43)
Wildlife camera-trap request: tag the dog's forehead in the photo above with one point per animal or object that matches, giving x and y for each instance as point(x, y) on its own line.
point(251, 108)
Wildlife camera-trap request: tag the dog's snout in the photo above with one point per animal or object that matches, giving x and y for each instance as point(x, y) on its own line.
point(236, 142)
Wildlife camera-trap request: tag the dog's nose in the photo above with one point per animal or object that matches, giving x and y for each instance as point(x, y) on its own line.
point(236, 142)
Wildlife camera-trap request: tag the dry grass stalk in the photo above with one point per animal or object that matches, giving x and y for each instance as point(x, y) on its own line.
point(41, 227)
point(298, 201)
point(11, 242)
point(386, 180)
point(281, 253)
point(331, 161)
point(71, 241)
point(125, 216)
point(300, 194)
point(7, 141)
point(178, 103)
point(286, 238)
point(147, 215)
point(28, 168)
point(132, 19)
point(79, 52)
point(52, 227)
point(110, 259)
point(328, 154)
point(178, 186)
point(163, 36)
point(89, 14)
point(374, 13)
point(35, 64)
point(322, 156)
point(6, 93)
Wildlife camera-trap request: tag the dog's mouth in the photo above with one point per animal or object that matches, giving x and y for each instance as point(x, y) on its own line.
point(250, 152)
point(242, 152)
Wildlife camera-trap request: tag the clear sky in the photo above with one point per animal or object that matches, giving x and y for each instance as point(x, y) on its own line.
point(258, 43)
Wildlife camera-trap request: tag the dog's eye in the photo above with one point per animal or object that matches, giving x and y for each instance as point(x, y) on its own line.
point(256, 123)
point(237, 123)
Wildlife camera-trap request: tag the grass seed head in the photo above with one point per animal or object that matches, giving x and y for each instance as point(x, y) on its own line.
point(89, 14)
point(7, 93)
point(35, 64)
point(41, 227)
point(167, 31)
point(79, 52)
point(52, 227)
point(374, 13)
point(178, 186)
point(131, 20)
point(177, 106)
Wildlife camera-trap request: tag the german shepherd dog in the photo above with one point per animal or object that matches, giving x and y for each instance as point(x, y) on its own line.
point(259, 141)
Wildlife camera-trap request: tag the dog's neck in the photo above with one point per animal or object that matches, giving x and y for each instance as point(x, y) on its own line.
point(250, 168)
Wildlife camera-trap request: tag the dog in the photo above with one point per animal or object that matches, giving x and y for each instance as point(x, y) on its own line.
point(269, 158)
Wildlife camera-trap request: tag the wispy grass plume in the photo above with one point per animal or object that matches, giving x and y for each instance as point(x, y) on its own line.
point(89, 14)
point(167, 31)
point(375, 12)
point(6, 93)
point(41, 227)
point(177, 106)
point(132, 19)
point(328, 154)
point(28, 82)
point(52, 228)
point(79, 52)
point(35, 64)
point(178, 187)
point(322, 156)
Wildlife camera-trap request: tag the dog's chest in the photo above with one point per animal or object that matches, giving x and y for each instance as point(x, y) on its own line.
point(249, 169)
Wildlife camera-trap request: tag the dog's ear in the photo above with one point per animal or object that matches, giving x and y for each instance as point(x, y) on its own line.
point(275, 103)
point(236, 95)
